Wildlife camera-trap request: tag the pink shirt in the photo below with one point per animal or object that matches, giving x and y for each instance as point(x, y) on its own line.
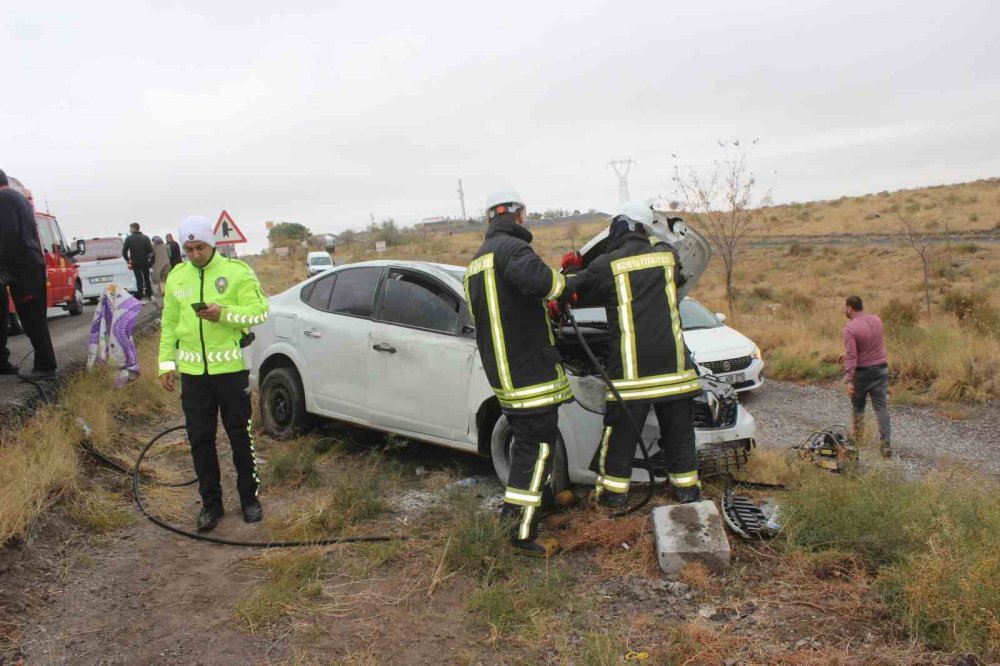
point(864, 343)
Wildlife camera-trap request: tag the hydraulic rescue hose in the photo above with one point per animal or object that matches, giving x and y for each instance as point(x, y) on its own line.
point(650, 488)
point(231, 542)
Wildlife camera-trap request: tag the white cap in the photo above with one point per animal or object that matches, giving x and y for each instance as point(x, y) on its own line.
point(196, 228)
point(499, 197)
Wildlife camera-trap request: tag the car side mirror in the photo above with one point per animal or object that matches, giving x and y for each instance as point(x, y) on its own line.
point(81, 248)
point(468, 330)
point(721, 317)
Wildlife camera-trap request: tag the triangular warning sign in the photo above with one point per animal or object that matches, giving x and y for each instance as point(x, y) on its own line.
point(226, 231)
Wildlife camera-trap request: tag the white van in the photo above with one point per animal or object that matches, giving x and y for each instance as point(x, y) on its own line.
point(102, 264)
point(317, 262)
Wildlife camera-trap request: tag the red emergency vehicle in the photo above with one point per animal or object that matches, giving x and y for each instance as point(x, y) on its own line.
point(64, 288)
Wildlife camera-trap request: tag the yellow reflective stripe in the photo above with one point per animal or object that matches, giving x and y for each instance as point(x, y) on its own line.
point(522, 497)
point(637, 263)
point(675, 315)
point(555, 398)
point(479, 265)
point(657, 392)
point(188, 357)
point(225, 355)
point(614, 484)
point(654, 380)
point(536, 477)
point(684, 480)
point(526, 515)
point(167, 366)
point(627, 325)
point(530, 391)
point(496, 330)
point(558, 284)
point(604, 448)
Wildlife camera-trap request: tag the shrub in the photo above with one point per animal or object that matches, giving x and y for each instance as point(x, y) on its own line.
point(897, 314)
point(797, 250)
point(972, 309)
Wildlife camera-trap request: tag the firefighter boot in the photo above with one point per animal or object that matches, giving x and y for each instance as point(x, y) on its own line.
point(540, 547)
point(607, 502)
point(687, 494)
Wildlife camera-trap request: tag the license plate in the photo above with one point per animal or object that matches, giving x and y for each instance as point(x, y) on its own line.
point(734, 379)
point(103, 278)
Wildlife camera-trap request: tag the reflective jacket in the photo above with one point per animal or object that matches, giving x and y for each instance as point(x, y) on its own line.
point(637, 284)
point(506, 287)
point(196, 346)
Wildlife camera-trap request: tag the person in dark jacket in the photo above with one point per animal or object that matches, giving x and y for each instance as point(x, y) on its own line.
point(22, 270)
point(636, 282)
point(506, 287)
point(138, 251)
point(173, 251)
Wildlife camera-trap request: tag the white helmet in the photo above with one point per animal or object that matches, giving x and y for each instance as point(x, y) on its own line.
point(508, 200)
point(636, 212)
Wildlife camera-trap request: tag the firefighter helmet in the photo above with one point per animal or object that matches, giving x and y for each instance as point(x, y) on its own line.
point(501, 202)
point(635, 213)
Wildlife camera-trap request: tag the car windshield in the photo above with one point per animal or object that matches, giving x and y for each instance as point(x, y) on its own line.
point(459, 274)
point(694, 316)
point(102, 248)
point(320, 261)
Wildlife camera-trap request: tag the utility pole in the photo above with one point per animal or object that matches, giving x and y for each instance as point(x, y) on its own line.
point(461, 198)
point(372, 217)
point(622, 168)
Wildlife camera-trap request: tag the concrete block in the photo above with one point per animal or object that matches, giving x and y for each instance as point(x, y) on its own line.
point(690, 533)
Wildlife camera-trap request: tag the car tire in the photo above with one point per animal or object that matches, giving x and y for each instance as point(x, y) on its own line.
point(14, 325)
point(92, 301)
point(500, 442)
point(282, 404)
point(75, 306)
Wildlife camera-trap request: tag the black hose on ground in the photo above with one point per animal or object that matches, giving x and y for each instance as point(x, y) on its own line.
point(651, 487)
point(231, 542)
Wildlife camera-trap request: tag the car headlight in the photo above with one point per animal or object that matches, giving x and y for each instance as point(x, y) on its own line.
point(756, 352)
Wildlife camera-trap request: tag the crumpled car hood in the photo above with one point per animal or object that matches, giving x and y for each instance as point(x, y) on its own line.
point(694, 249)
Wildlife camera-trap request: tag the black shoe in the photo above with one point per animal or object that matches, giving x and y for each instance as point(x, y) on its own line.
point(253, 512)
point(208, 519)
point(7, 369)
point(688, 494)
point(37, 375)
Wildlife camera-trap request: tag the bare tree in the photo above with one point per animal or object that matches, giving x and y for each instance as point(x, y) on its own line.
point(922, 244)
point(726, 204)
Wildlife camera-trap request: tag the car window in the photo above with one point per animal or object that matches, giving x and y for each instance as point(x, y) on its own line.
point(45, 233)
point(355, 291)
point(694, 316)
point(317, 294)
point(416, 301)
point(320, 261)
point(102, 248)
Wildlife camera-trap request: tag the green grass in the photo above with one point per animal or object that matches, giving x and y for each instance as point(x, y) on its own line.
point(291, 579)
point(293, 467)
point(471, 540)
point(100, 511)
point(797, 368)
point(532, 593)
point(934, 546)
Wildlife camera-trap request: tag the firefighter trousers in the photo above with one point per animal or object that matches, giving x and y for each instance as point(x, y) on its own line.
point(203, 398)
point(29, 295)
point(535, 437)
point(618, 445)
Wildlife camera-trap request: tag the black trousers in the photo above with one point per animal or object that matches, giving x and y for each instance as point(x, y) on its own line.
point(203, 397)
point(28, 292)
point(143, 286)
point(535, 437)
point(618, 444)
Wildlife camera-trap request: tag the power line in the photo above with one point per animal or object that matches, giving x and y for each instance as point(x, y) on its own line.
point(622, 168)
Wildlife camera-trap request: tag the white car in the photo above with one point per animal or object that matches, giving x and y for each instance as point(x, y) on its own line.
point(390, 345)
point(317, 262)
point(103, 264)
point(723, 352)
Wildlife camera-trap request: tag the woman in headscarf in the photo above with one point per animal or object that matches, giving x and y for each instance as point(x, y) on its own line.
point(161, 266)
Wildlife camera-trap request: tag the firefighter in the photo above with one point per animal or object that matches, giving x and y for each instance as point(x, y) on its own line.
point(636, 280)
point(209, 304)
point(507, 286)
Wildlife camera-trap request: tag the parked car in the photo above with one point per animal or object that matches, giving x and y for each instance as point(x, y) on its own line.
point(317, 262)
point(390, 345)
point(102, 265)
point(65, 289)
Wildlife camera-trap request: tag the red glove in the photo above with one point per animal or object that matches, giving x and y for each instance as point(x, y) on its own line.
point(555, 311)
point(572, 260)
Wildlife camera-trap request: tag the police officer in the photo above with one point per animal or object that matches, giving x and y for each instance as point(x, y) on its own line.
point(636, 281)
point(210, 302)
point(506, 286)
point(22, 270)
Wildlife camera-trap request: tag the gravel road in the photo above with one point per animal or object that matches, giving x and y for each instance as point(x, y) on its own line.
point(923, 437)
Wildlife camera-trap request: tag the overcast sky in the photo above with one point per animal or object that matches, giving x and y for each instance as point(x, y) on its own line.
point(324, 112)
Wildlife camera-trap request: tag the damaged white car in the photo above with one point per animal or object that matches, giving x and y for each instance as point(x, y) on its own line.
point(390, 345)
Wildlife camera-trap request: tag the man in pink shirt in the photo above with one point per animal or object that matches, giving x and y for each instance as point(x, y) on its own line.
point(866, 371)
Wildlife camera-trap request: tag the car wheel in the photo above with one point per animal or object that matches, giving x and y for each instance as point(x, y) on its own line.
point(14, 325)
point(283, 404)
point(500, 448)
point(76, 305)
point(92, 301)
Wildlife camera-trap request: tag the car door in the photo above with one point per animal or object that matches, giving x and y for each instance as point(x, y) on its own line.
point(421, 356)
point(55, 264)
point(334, 331)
